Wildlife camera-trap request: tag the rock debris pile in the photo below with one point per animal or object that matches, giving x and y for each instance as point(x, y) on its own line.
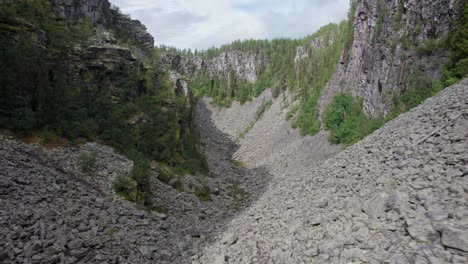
point(398, 196)
point(52, 212)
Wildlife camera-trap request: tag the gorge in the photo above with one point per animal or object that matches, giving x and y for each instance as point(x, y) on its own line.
point(345, 146)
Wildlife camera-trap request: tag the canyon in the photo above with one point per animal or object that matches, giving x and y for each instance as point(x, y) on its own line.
point(166, 156)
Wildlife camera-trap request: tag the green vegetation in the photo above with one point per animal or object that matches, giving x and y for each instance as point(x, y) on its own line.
point(417, 86)
point(124, 185)
point(346, 120)
point(266, 104)
point(307, 77)
point(292, 112)
point(135, 186)
point(458, 44)
point(322, 63)
point(44, 88)
point(430, 47)
point(238, 163)
point(111, 231)
point(162, 209)
point(241, 197)
point(344, 116)
point(380, 20)
point(60, 33)
point(349, 39)
point(244, 132)
point(203, 193)
point(87, 161)
point(22, 120)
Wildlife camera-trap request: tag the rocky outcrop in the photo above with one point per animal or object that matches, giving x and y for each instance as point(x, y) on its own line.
point(236, 64)
point(101, 68)
point(398, 196)
point(101, 12)
point(13, 28)
point(98, 11)
point(246, 66)
point(132, 30)
point(383, 52)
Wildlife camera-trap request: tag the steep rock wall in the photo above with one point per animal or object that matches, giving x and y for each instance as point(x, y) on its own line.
point(103, 13)
point(96, 10)
point(383, 51)
point(244, 65)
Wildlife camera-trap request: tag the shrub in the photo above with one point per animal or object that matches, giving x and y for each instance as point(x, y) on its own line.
point(346, 120)
point(125, 186)
point(458, 44)
point(87, 161)
point(111, 231)
point(203, 193)
point(162, 209)
point(428, 47)
point(140, 174)
point(165, 176)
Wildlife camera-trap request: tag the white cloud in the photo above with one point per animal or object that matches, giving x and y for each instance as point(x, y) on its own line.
point(200, 24)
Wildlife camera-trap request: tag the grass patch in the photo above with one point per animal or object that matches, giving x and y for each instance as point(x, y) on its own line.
point(111, 231)
point(240, 196)
point(244, 132)
point(261, 109)
point(87, 161)
point(292, 112)
point(238, 163)
point(266, 104)
point(162, 209)
point(203, 193)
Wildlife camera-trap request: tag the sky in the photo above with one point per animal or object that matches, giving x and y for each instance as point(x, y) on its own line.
point(201, 24)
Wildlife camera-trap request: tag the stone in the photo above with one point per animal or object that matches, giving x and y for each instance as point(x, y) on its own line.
point(75, 244)
point(420, 229)
point(457, 259)
point(397, 201)
point(456, 189)
point(145, 251)
point(323, 203)
point(316, 220)
point(455, 238)
point(78, 253)
point(230, 238)
point(437, 215)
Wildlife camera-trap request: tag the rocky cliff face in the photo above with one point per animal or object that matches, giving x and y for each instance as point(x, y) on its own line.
point(101, 12)
point(14, 27)
point(383, 53)
point(136, 32)
point(97, 11)
point(246, 66)
point(87, 66)
point(243, 65)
